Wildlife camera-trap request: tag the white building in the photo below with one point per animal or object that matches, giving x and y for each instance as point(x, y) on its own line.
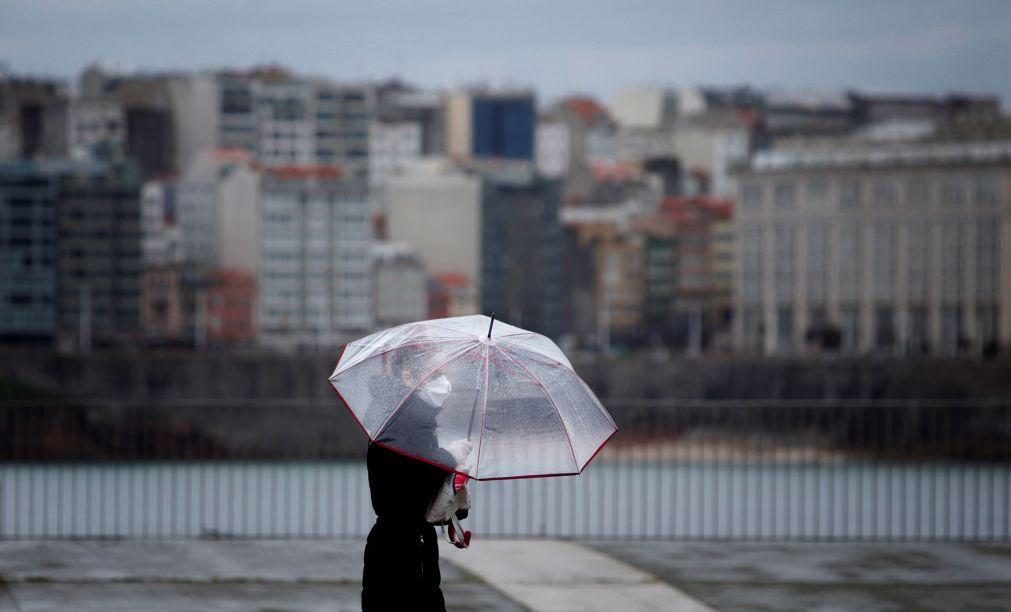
point(95, 123)
point(715, 145)
point(648, 108)
point(315, 282)
point(285, 123)
point(901, 247)
point(161, 238)
point(552, 148)
point(217, 204)
point(436, 208)
point(400, 294)
point(195, 100)
point(197, 210)
point(285, 119)
point(392, 146)
point(646, 118)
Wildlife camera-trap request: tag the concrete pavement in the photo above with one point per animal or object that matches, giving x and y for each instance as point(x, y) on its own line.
point(556, 576)
point(508, 575)
point(176, 576)
point(829, 576)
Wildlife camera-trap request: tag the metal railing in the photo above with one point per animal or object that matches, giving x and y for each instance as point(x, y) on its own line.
point(847, 470)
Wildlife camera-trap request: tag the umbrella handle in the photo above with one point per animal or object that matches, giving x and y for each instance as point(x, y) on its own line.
point(457, 536)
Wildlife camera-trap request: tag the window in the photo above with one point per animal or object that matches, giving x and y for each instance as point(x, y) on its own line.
point(817, 261)
point(919, 259)
point(884, 327)
point(884, 260)
point(987, 257)
point(850, 261)
point(986, 188)
point(817, 196)
point(751, 262)
point(785, 197)
point(953, 191)
point(952, 262)
point(850, 196)
point(886, 194)
point(751, 197)
point(784, 329)
point(850, 323)
point(784, 254)
point(918, 195)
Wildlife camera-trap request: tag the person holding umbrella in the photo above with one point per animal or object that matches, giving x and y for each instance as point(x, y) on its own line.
point(401, 554)
point(448, 396)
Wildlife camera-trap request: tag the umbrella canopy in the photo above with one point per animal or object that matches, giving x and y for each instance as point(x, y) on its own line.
point(489, 402)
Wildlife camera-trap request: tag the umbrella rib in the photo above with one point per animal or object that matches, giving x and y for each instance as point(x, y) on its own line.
point(568, 438)
point(395, 347)
point(484, 410)
point(455, 355)
point(554, 361)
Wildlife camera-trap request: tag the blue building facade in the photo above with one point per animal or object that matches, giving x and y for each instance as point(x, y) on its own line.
point(502, 126)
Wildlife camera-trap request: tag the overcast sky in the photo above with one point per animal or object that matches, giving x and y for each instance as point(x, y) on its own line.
point(556, 46)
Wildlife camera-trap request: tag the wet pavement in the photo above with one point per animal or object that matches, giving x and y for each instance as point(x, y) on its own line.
point(260, 575)
point(274, 575)
point(828, 576)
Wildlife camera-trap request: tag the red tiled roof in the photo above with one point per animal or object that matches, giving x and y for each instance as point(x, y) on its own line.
point(304, 172)
point(232, 155)
point(614, 172)
point(587, 109)
point(453, 279)
point(691, 207)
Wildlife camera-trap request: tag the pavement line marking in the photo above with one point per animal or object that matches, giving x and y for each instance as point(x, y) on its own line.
point(556, 576)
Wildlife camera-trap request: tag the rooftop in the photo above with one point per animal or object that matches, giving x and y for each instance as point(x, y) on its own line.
point(882, 155)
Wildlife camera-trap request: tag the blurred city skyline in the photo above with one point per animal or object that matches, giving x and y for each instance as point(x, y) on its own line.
point(557, 48)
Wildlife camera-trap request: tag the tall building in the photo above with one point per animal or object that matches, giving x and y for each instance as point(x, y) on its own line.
point(99, 253)
point(162, 241)
point(400, 294)
point(97, 128)
point(485, 125)
point(284, 119)
point(902, 247)
point(523, 254)
point(28, 199)
point(399, 103)
point(231, 307)
point(33, 118)
point(160, 120)
point(392, 146)
point(435, 207)
point(618, 274)
point(315, 242)
point(573, 137)
point(687, 292)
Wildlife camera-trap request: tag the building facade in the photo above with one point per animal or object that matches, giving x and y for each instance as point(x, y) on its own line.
point(392, 146)
point(903, 248)
point(523, 254)
point(28, 199)
point(284, 119)
point(491, 125)
point(431, 202)
point(314, 278)
point(99, 253)
point(400, 294)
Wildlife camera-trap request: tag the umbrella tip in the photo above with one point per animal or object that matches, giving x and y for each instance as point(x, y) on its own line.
point(490, 325)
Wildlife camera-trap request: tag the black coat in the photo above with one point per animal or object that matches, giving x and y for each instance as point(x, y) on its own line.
point(402, 554)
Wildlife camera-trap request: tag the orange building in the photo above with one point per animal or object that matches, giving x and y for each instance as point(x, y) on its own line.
point(162, 316)
point(231, 307)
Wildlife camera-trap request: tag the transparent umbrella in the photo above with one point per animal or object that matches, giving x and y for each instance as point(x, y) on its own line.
point(474, 396)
